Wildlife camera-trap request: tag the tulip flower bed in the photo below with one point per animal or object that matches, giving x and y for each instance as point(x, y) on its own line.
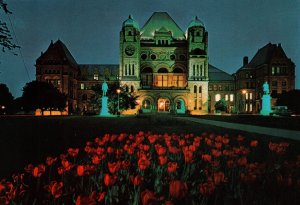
point(168, 169)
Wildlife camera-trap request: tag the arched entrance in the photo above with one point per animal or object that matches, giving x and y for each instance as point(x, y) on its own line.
point(180, 106)
point(163, 105)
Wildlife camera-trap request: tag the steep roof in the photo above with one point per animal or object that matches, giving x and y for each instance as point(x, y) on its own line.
point(265, 55)
point(216, 74)
point(159, 20)
point(58, 54)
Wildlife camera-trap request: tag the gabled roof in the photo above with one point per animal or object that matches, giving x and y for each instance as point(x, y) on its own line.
point(266, 54)
point(57, 53)
point(160, 20)
point(216, 74)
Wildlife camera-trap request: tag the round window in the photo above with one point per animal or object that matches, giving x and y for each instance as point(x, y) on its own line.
point(144, 56)
point(172, 57)
point(153, 56)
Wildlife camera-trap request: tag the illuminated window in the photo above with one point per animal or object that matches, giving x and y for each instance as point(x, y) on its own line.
point(246, 96)
point(231, 97)
point(250, 96)
point(217, 97)
point(250, 108)
point(96, 76)
point(82, 86)
point(58, 82)
point(226, 97)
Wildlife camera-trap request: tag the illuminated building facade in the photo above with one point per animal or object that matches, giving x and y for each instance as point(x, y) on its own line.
point(169, 70)
point(270, 64)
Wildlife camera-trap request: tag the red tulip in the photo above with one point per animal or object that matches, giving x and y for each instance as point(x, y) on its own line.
point(109, 180)
point(206, 157)
point(162, 160)
point(73, 152)
point(253, 143)
point(96, 159)
point(143, 163)
point(152, 138)
point(39, 170)
point(188, 156)
point(80, 170)
point(216, 153)
point(161, 150)
point(172, 167)
point(110, 150)
point(50, 160)
point(55, 189)
point(66, 164)
point(113, 167)
point(82, 200)
point(207, 188)
point(242, 161)
point(136, 180)
point(219, 177)
point(178, 189)
point(148, 197)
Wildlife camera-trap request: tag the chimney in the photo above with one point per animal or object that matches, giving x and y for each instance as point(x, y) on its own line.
point(245, 60)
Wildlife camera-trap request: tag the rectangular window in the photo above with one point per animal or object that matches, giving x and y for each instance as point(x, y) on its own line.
point(58, 82)
point(283, 83)
point(215, 87)
point(250, 108)
point(220, 87)
point(217, 97)
point(231, 97)
point(210, 87)
point(273, 70)
point(96, 76)
point(82, 86)
point(246, 96)
point(226, 97)
point(250, 96)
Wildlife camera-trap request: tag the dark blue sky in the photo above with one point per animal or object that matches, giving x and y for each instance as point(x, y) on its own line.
point(90, 29)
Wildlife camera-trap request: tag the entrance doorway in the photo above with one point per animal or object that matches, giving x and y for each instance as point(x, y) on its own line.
point(163, 105)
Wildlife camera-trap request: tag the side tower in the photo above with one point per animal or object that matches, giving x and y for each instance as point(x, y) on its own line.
point(197, 39)
point(129, 72)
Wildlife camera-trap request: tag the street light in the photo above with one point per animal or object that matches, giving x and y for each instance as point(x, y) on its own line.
point(118, 91)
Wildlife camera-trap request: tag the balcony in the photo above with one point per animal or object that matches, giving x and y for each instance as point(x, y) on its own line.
point(166, 81)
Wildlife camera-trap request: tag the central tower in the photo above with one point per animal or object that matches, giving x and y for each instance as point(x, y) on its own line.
point(165, 66)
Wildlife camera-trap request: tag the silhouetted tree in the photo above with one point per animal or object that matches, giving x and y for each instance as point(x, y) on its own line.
point(291, 100)
point(221, 105)
point(42, 95)
point(127, 99)
point(5, 36)
point(6, 100)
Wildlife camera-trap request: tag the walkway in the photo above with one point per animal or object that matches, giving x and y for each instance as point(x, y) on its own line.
point(289, 134)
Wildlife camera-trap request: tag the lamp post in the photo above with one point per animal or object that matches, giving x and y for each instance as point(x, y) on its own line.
point(118, 91)
point(244, 99)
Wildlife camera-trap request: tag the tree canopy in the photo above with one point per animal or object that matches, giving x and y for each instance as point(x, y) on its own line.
point(6, 100)
point(291, 100)
point(5, 35)
point(126, 99)
point(221, 105)
point(42, 95)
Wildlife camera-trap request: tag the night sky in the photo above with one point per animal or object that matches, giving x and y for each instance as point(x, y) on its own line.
point(90, 29)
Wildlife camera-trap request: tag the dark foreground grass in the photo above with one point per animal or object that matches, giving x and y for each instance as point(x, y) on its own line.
point(290, 123)
point(25, 140)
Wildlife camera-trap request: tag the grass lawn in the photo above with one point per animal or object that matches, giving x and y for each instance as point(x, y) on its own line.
point(290, 123)
point(25, 140)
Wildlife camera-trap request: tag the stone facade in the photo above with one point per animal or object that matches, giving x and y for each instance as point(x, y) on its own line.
point(270, 64)
point(169, 70)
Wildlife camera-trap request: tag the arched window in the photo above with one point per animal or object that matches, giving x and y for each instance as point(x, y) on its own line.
point(200, 89)
point(126, 88)
point(162, 70)
point(131, 89)
point(177, 70)
point(195, 88)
